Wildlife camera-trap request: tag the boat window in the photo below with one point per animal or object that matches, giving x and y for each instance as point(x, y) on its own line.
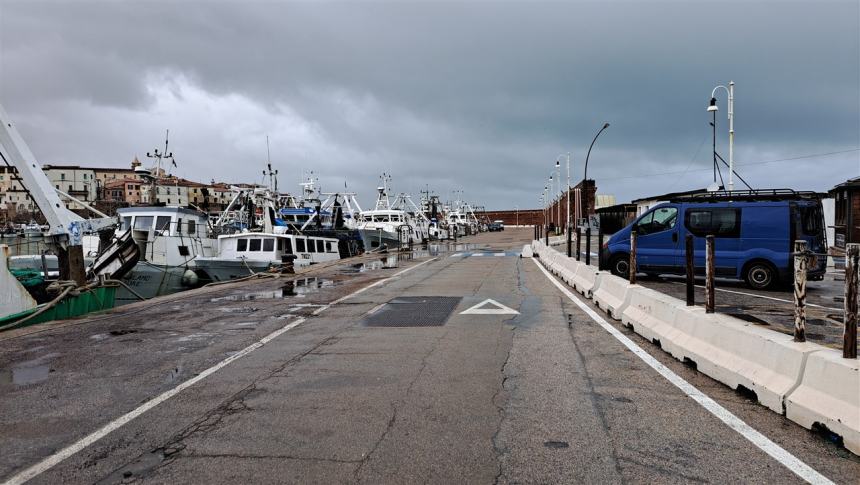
point(178, 226)
point(288, 246)
point(268, 244)
point(254, 245)
point(300, 245)
point(143, 223)
point(241, 244)
point(162, 223)
point(312, 248)
point(328, 246)
point(320, 246)
point(126, 223)
point(280, 244)
point(192, 227)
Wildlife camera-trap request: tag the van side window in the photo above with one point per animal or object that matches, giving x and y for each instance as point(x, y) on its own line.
point(715, 222)
point(657, 221)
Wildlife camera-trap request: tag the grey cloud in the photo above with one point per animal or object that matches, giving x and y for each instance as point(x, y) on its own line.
point(481, 96)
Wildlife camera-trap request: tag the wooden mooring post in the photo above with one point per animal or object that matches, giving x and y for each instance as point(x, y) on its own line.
point(691, 275)
point(588, 245)
point(709, 274)
point(569, 242)
point(599, 249)
point(852, 280)
point(631, 272)
point(800, 266)
point(578, 243)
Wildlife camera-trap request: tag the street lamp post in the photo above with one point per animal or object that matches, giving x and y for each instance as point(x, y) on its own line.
point(713, 107)
point(549, 198)
point(585, 178)
point(567, 191)
point(558, 177)
point(517, 208)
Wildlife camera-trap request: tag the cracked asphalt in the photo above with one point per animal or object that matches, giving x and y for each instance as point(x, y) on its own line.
point(484, 398)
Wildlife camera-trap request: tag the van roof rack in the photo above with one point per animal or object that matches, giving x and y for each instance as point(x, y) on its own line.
point(750, 195)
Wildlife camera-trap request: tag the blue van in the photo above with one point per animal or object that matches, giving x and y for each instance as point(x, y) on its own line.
point(753, 238)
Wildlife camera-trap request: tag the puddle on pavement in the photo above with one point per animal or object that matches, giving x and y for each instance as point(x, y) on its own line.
point(299, 287)
point(29, 372)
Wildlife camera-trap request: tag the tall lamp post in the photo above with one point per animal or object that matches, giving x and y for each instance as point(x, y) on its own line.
point(585, 179)
point(567, 191)
point(558, 206)
point(550, 197)
point(713, 107)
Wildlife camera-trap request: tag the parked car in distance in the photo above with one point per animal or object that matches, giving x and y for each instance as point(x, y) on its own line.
point(495, 226)
point(753, 238)
point(501, 224)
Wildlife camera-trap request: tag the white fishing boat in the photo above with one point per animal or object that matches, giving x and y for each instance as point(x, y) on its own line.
point(169, 239)
point(392, 225)
point(244, 254)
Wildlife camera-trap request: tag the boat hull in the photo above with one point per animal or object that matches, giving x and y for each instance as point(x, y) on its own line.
point(373, 239)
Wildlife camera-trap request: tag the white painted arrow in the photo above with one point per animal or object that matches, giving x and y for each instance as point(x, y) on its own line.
point(495, 308)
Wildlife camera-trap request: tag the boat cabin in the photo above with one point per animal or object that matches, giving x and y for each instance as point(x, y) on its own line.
point(275, 247)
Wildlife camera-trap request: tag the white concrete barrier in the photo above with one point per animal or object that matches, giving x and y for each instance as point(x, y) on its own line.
point(829, 394)
point(585, 279)
point(527, 251)
point(738, 353)
point(611, 294)
point(652, 315)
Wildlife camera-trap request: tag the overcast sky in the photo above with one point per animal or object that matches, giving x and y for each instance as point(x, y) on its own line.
point(473, 96)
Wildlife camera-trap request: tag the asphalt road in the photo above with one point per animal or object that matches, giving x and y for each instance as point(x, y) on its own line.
point(312, 391)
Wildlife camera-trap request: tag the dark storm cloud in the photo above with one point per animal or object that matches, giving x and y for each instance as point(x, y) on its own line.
point(480, 96)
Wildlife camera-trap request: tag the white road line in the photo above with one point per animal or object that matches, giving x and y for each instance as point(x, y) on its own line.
point(456, 254)
point(766, 297)
point(477, 254)
point(56, 458)
point(778, 453)
point(501, 254)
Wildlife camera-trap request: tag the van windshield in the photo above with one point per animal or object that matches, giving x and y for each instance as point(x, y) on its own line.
point(657, 221)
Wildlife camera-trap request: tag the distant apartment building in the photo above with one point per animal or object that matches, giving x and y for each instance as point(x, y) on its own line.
point(76, 181)
point(123, 190)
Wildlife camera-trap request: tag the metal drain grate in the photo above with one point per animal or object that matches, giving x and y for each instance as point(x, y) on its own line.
point(414, 311)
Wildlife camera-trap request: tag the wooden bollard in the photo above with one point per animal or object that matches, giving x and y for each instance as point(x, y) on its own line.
point(691, 275)
point(588, 245)
point(631, 272)
point(568, 242)
point(709, 274)
point(578, 243)
point(599, 249)
point(852, 280)
point(800, 266)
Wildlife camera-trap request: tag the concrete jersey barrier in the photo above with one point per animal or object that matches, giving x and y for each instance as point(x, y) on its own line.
point(829, 394)
point(611, 293)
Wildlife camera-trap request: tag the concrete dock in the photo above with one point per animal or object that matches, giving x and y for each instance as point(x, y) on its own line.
point(395, 370)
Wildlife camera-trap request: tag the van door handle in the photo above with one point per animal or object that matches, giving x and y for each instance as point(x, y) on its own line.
point(674, 237)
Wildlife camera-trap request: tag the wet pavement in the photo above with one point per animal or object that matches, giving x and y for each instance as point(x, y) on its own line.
point(281, 380)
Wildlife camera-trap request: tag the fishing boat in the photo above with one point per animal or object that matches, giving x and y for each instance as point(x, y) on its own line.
point(244, 254)
point(169, 239)
point(390, 225)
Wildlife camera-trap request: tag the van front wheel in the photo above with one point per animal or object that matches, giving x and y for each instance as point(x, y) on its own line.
point(619, 265)
point(760, 276)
